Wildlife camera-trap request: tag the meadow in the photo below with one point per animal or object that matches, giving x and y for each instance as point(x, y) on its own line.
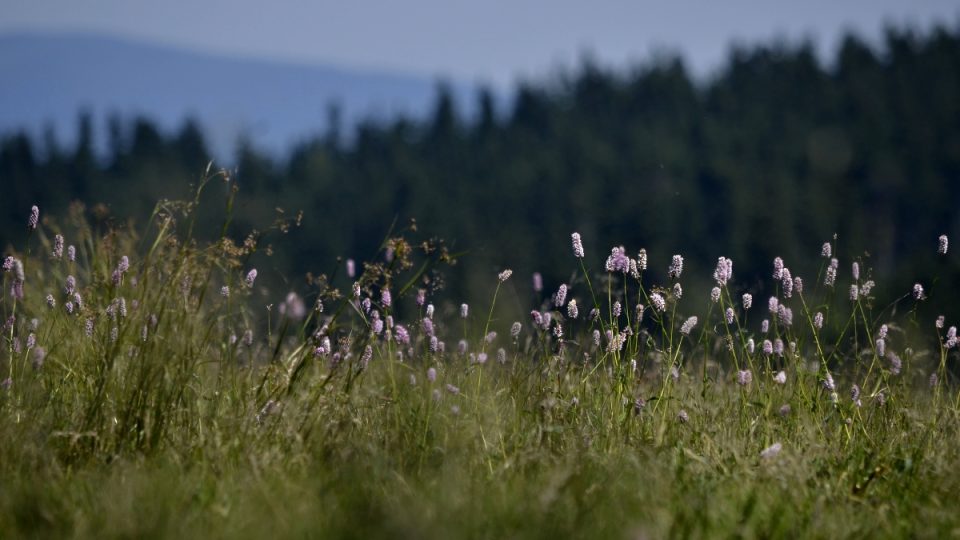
point(153, 388)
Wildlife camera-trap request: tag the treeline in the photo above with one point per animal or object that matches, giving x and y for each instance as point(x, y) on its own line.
point(772, 157)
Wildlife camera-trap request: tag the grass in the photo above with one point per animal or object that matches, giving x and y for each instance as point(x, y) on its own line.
point(163, 405)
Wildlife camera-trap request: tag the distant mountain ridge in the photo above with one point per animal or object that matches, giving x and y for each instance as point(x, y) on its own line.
point(49, 78)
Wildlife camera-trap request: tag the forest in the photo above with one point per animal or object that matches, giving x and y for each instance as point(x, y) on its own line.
point(776, 154)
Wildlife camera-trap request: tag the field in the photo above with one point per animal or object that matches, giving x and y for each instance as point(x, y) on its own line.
point(151, 389)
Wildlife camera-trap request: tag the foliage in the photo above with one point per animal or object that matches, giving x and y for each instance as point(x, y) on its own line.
point(152, 396)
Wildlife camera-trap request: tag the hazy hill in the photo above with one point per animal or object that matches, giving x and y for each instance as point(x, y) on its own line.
point(48, 78)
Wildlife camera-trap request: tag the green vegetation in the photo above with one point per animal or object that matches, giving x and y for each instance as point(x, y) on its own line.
point(157, 396)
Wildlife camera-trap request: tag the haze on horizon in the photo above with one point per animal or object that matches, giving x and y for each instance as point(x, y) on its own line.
point(495, 42)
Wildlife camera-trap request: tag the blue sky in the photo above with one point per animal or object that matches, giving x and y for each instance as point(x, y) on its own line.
point(491, 41)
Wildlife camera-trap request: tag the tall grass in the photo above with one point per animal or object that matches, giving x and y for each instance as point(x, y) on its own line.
point(163, 396)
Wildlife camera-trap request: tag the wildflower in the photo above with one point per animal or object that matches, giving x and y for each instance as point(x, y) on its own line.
point(615, 341)
point(377, 326)
point(617, 309)
point(421, 297)
point(658, 302)
point(71, 253)
point(351, 268)
point(501, 356)
point(88, 327)
point(688, 325)
point(434, 344)
point(785, 315)
point(798, 285)
point(765, 326)
point(558, 331)
point(855, 395)
point(51, 302)
point(866, 287)
point(366, 357)
point(784, 409)
point(728, 315)
point(881, 347)
point(225, 291)
point(618, 261)
point(854, 293)
point(818, 320)
point(639, 309)
point(677, 291)
point(778, 347)
point(401, 335)
point(490, 337)
point(355, 288)
point(940, 321)
point(560, 298)
point(31, 341)
point(515, 329)
point(683, 417)
point(744, 377)
point(882, 333)
point(596, 338)
point(918, 291)
point(252, 276)
point(777, 268)
point(385, 298)
point(462, 347)
point(464, 311)
point(634, 271)
point(18, 270)
point(436, 395)
point(747, 301)
point(572, 310)
point(934, 380)
point(942, 247)
point(537, 318)
point(537, 282)
point(826, 250)
point(642, 260)
point(750, 345)
point(828, 383)
point(780, 377)
point(676, 267)
point(452, 389)
point(577, 245)
point(431, 374)
point(505, 275)
point(715, 294)
point(248, 337)
point(787, 283)
point(724, 271)
point(767, 347)
point(771, 451)
point(71, 285)
point(773, 304)
point(831, 274)
point(855, 271)
point(430, 310)
point(427, 325)
point(34, 218)
point(114, 334)
point(594, 314)
point(57, 247)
